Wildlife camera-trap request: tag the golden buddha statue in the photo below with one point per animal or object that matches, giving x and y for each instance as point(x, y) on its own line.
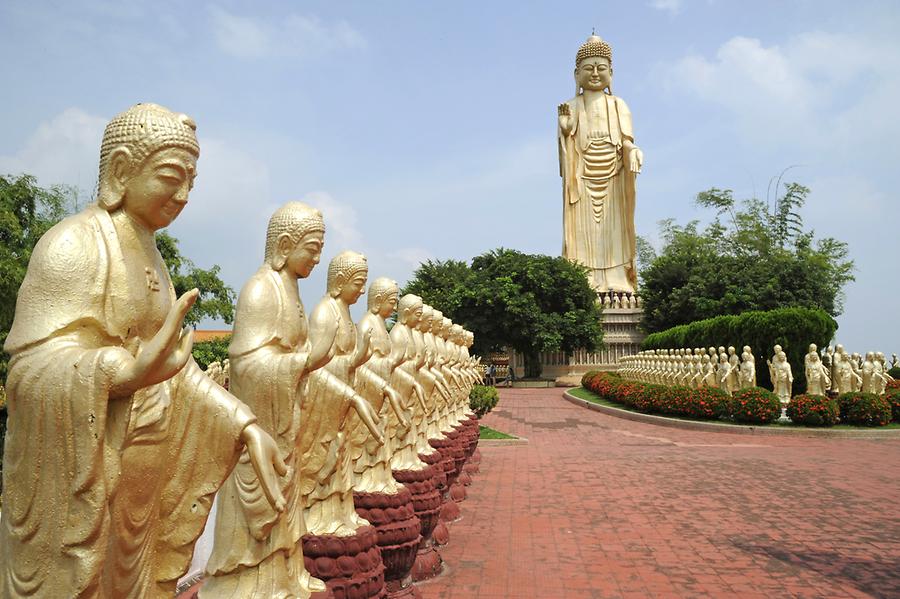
point(117, 440)
point(371, 459)
point(256, 553)
point(598, 162)
point(429, 380)
point(404, 379)
point(326, 474)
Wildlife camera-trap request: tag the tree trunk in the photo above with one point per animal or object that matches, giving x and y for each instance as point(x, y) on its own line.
point(532, 365)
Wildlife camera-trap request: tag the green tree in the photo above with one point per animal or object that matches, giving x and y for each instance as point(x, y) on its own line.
point(760, 258)
point(528, 303)
point(216, 299)
point(213, 350)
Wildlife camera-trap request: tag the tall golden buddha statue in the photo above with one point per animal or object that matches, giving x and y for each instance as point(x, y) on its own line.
point(326, 471)
point(256, 553)
point(598, 162)
point(117, 440)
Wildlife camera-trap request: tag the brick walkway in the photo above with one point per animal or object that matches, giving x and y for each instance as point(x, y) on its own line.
point(594, 506)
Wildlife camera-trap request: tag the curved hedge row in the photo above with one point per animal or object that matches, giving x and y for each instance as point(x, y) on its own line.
point(483, 399)
point(791, 328)
point(753, 405)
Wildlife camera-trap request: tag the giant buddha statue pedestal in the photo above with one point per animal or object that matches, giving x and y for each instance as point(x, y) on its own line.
point(378, 497)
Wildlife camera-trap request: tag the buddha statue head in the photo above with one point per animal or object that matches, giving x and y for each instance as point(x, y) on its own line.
point(437, 321)
point(383, 294)
point(294, 239)
point(148, 161)
point(593, 66)
point(456, 334)
point(347, 274)
point(445, 330)
point(409, 310)
point(425, 321)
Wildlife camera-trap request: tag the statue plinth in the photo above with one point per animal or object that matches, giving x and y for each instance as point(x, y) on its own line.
point(398, 528)
point(448, 448)
point(426, 502)
point(351, 566)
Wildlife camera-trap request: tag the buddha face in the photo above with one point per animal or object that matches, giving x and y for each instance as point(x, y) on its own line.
point(157, 192)
point(414, 315)
point(353, 289)
point(388, 305)
point(594, 73)
point(306, 254)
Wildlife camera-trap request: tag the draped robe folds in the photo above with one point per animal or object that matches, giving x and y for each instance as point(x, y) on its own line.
point(405, 456)
point(599, 194)
point(326, 480)
point(371, 459)
point(103, 498)
point(256, 553)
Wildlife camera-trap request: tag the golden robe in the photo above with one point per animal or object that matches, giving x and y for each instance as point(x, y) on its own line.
point(256, 553)
point(103, 499)
point(599, 194)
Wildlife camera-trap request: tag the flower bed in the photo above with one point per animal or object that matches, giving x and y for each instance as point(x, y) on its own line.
point(864, 409)
point(813, 410)
point(707, 403)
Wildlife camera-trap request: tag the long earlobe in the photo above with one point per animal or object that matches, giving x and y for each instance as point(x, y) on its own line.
point(114, 179)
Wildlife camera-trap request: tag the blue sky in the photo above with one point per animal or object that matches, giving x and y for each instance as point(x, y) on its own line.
point(427, 130)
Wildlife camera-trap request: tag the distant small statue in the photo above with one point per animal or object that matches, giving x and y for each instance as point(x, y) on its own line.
point(782, 377)
point(817, 378)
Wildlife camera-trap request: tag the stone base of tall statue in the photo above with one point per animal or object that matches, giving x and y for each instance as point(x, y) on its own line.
point(622, 336)
point(350, 566)
point(395, 520)
point(426, 501)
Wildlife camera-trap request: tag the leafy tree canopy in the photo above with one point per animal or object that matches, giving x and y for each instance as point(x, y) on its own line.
point(529, 303)
point(751, 257)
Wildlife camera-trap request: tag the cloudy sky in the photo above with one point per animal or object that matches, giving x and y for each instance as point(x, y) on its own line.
point(427, 130)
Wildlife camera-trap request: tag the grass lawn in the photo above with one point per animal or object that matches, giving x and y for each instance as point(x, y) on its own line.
point(486, 432)
point(582, 393)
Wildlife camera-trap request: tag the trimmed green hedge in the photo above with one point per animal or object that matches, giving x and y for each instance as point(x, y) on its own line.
point(791, 328)
point(483, 399)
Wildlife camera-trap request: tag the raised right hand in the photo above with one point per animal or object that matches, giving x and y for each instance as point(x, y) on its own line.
point(163, 356)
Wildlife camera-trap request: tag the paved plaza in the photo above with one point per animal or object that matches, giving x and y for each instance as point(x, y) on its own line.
point(594, 506)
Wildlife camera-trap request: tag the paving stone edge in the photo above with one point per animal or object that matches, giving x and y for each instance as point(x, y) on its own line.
point(732, 428)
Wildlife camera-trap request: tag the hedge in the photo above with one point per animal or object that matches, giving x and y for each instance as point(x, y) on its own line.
point(482, 399)
point(791, 328)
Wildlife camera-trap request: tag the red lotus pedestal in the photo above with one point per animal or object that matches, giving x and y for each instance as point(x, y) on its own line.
point(394, 518)
point(426, 502)
point(192, 592)
point(447, 447)
point(351, 566)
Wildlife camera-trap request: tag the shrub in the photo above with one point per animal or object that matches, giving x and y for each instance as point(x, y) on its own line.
point(709, 403)
point(754, 405)
point(483, 399)
point(894, 372)
point(653, 398)
point(813, 410)
point(895, 384)
point(213, 350)
point(864, 409)
point(588, 377)
point(893, 398)
point(792, 328)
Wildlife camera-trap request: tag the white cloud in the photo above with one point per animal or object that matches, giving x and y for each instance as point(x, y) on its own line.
point(670, 6)
point(295, 36)
point(411, 257)
point(63, 150)
point(341, 232)
point(817, 86)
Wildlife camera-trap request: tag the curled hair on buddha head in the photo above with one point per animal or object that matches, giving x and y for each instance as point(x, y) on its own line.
point(142, 130)
point(410, 301)
point(379, 290)
point(594, 46)
point(294, 219)
point(343, 268)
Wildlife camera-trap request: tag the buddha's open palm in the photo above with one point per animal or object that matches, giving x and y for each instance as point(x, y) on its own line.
point(163, 356)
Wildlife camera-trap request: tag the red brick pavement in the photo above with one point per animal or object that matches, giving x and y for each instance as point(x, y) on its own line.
point(595, 506)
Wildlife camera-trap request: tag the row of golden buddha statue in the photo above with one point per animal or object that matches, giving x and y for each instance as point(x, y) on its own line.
point(331, 453)
point(834, 370)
